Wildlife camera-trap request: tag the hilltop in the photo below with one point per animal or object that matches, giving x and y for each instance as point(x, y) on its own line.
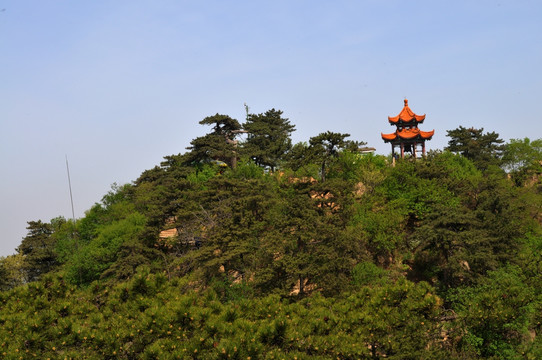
point(249, 246)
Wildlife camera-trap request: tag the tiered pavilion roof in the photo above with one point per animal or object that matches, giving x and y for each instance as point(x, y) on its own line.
point(407, 135)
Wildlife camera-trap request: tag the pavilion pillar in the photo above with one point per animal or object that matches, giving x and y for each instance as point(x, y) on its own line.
point(414, 149)
point(423, 148)
point(402, 150)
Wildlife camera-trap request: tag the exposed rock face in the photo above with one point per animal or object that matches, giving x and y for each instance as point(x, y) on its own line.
point(164, 234)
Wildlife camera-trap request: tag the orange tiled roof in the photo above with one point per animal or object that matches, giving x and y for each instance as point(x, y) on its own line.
point(407, 134)
point(406, 115)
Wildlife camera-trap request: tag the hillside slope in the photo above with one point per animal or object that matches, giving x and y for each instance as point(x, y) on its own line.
point(434, 258)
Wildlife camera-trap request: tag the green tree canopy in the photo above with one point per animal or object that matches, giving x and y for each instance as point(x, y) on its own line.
point(523, 158)
point(326, 146)
point(484, 149)
point(431, 258)
point(38, 249)
point(219, 145)
point(268, 138)
point(11, 271)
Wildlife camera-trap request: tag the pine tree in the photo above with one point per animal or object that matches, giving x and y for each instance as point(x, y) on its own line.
point(325, 147)
point(484, 149)
point(220, 145)
point(38, 249)
point(268, 138)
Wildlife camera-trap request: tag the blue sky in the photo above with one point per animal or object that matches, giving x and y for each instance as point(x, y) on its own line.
point(117, 85)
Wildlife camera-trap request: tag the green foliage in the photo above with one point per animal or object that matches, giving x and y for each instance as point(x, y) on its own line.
point(150, 318)
point(428, 259)
point(297, 157)
point(531, 258)
point(419, 189)
point(484, 149)
point(66, 239)
point(228, 291)
point(202, 174)
point(219, 145)
point(247, 169)
point(382, 225)
point(368, 169)
point(325, 147)
point(112, 207)
point(448, 166)
point(38, 250)
point(268, 138)
point(523, 159)
point(367, 273)
point(12, 273)
point(498, 313)
point(95, 257)
point(453, 246)
point(522, 153)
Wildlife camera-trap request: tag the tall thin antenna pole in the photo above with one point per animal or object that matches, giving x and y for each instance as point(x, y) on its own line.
point(70, 185)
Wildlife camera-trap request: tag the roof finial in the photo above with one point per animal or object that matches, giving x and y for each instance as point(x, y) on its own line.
point(406, 102)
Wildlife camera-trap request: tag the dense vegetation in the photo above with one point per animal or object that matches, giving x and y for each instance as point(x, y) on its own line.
point(281, 250)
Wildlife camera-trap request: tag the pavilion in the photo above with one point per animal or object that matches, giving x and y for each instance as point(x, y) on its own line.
point(407, 137)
